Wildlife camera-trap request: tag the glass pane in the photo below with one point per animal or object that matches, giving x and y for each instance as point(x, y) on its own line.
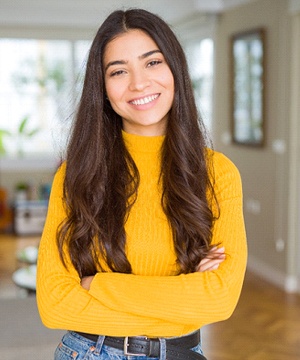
point(200, 60)
point(35, 84)
point(81, 50)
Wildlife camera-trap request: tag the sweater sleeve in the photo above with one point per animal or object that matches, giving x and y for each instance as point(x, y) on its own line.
point(64, 304)
point(194, 299)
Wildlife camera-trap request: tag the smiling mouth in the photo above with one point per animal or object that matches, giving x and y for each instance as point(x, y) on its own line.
point(145, 100)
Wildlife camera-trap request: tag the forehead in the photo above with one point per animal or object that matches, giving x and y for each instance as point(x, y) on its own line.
point(132, 43)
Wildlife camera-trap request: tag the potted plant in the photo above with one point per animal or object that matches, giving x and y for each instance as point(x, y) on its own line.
point(24, 132)
point(3, 133)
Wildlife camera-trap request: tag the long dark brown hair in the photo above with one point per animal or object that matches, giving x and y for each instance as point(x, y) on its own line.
point(102, 179)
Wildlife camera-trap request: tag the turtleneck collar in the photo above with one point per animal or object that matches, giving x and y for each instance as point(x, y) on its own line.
point(139, 143)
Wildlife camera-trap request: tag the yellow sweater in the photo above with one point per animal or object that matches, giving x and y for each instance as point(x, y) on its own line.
point(154, 300)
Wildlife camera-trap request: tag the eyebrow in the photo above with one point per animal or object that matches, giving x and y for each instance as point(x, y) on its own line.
point(123, 62)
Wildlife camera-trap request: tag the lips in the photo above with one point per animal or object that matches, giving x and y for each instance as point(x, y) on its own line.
point(144, 100)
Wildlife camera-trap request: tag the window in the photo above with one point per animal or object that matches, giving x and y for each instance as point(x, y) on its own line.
point(40, 80)
point(200, 60)
point(38, 85)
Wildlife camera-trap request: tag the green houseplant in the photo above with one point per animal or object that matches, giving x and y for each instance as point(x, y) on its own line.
point(3, 134)
point(24, 133)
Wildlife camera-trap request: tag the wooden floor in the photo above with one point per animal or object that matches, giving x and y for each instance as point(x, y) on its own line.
point(265, 325)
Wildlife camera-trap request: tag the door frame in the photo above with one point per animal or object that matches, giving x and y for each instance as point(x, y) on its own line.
point(293, 251)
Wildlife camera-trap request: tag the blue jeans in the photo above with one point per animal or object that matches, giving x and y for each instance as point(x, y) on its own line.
point(75, 347)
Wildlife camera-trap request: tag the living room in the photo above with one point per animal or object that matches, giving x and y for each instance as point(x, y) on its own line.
point(269, 165)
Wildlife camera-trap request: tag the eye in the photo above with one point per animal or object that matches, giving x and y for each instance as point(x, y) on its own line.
point(154, 63)
point(117, 73)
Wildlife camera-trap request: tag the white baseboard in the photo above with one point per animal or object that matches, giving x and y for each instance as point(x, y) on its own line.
point(288, 283)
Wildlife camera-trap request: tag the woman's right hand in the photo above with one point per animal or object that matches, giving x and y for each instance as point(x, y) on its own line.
point(213, 259)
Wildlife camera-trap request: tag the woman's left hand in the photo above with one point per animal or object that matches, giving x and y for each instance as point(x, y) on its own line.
point(86, 282)
point(212, 261)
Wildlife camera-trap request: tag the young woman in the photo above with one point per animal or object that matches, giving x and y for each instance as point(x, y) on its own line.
point(144, 241)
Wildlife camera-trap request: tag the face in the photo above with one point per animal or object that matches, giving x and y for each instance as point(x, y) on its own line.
point(139, 83)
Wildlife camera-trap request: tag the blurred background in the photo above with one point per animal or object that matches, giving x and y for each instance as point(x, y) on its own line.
point(244, 60)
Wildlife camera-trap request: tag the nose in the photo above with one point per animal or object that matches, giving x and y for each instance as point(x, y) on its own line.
point(138, 80)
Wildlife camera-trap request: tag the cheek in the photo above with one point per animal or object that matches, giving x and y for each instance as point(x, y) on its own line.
point(115, 98)
point(114, 91)
point(109, 90)
point(169, 81)
point(170, 85)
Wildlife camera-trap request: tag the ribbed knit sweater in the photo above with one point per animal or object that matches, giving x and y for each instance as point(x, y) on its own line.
point(154, 300)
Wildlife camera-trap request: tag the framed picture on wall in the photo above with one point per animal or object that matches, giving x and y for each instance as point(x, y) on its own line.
point(248, 87)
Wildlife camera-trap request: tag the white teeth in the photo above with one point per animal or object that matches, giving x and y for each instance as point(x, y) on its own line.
point(145, 100)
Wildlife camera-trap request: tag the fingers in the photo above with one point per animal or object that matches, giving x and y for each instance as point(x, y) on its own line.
point(86, 282)
point(210, 265)
point(212, 261)
point(216, 250)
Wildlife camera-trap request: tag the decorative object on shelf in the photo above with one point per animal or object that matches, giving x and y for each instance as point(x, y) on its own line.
point(28, 254)
point(21, 191)
point(248, 87)
point(44, 191)
point(29, 217)
point(25, 278)
point(5, 211)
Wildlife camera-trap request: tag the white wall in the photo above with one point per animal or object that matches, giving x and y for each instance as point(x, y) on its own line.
point(265, 171)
